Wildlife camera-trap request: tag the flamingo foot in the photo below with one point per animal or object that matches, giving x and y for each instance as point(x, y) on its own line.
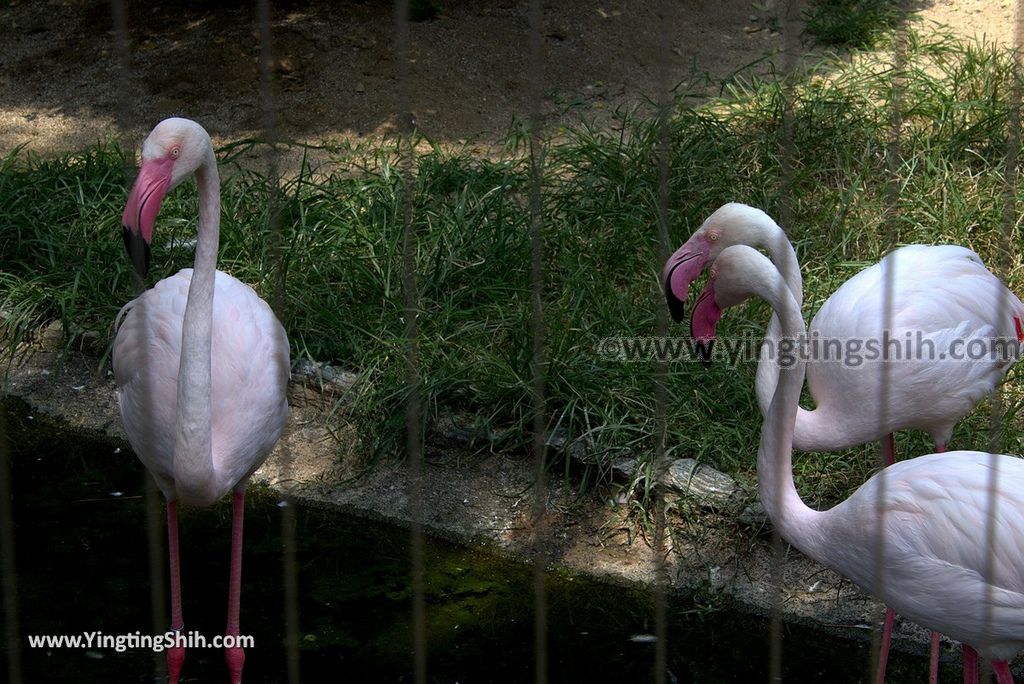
point(1002, 671)
point(933, 659)
point(235, 657)
point(883, 654)
point(175, 659)
point(970, 665)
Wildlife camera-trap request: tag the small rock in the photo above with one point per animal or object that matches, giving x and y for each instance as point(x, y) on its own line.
point(331, 379)
point(465, 430)
point(688, 477)
point(578, 449)
point(754, 516)
point(625, 466)
point(51, 336)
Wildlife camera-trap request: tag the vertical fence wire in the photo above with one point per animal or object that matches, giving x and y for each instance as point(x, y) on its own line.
point(891, 218)
point(278, 301)
point(410, 293)
point(790, 21)
point(538, 357)
point(155, 529)
point(1003, 267)
point(664, 161)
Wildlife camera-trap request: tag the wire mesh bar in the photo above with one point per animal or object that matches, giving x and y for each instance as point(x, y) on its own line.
point(538, 357)
point(410, 293)
point(664, 160)
point(155, 528)
point(278, 300)
point(880, 640)
point(1002, 269)
point(791, 13)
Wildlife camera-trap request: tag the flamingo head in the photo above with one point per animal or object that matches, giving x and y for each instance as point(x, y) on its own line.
point(682, 268)
point(738, 273)
point(172, 152)
point(731, 224)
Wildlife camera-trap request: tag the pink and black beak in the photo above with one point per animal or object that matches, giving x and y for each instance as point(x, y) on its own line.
point(681, 269)
point(141, 209)
point(704, 323)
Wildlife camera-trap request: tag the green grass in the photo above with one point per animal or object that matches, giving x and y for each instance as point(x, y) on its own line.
point(853, 195)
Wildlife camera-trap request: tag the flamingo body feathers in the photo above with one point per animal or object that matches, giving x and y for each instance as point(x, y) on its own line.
point(249, 376)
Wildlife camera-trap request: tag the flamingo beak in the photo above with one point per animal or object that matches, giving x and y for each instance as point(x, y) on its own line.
point(704, 323)
point(680, 271)
point(141, 209)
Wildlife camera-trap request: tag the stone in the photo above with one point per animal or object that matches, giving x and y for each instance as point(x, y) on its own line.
point(690, 478)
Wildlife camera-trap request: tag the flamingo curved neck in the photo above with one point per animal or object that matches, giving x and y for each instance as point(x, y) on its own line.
point(814, 431)
point(783, 255)
point(193, 452)
point(777, 490)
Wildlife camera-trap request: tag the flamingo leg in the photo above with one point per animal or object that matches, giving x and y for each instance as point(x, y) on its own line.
point(970, 665)
point(883, 654)
point(1002, 671)
point(933, 659)
point(176, 653)
point(933, 651)
point(234, 654)
point(889, 449)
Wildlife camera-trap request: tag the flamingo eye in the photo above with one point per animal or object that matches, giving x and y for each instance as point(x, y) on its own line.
point(175, 152)
point(712, 237)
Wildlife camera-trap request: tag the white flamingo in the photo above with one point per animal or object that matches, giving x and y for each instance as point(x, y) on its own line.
point(944, 294)
point(200, 363)
point(916, 534)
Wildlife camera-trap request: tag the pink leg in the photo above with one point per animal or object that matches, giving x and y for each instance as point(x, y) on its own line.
point(1002, 671)
point(889, 449)
point(883, 654)
point(970, 665)
point(933, 659)
point(933, 663)
point(234, 655)
point(175, 654)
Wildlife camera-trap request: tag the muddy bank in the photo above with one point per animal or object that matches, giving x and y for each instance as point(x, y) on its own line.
point(483, 498)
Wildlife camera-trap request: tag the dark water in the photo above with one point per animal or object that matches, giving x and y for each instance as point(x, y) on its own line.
point(82, 565)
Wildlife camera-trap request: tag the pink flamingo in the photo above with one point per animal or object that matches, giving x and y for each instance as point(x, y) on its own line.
point(200, 362)
point(929, 517)
point(944, 293)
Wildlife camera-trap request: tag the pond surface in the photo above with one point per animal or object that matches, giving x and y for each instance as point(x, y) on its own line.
point(82, 562)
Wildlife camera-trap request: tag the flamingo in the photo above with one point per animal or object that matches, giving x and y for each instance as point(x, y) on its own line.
point(929, 517)
point(200, 363)
point(944, 293)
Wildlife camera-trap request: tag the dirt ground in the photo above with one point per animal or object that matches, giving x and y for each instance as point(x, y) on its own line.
point(66, 80)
